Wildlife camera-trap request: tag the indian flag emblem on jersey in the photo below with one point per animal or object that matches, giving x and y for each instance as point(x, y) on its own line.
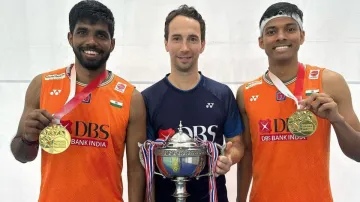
point(116, 103)
point(309, 92)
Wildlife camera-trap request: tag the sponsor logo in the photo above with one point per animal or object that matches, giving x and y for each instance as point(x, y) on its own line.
point(55, 77)
point(314, 74)
point(253, 83)
point(120, 87)
point(88, 134)
point(87, 100)
point(55, 92)
point(276, 130)
point(205, 133)
point(209, 105)
point(280, 96)
point(254, 98)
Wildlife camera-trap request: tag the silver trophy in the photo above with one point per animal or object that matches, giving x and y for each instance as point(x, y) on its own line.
point(180, 158)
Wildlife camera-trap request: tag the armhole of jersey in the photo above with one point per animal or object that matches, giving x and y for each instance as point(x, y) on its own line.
point(246, 96)
point(311, 83)
point(41, 94)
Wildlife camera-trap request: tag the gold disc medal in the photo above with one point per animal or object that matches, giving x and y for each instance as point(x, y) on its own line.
point(55, 139)
point(302, 123)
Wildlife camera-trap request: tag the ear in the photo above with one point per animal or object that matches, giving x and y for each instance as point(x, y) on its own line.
point(112, 44)
point(302, 37)
point(166, 45)
point(70, 37)
point(261, 42)
point(202, 46)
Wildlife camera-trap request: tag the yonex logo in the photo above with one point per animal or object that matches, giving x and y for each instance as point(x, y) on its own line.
point(55, 92)
point(209, 105)
point(254, 98)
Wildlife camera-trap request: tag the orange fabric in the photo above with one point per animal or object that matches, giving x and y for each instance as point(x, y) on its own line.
point(286, 168)
point(90, 169)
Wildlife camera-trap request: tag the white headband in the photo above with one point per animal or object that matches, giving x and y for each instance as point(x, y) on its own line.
point(294, 16)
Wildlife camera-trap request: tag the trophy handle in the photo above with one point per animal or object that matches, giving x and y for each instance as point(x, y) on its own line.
point(204, 175)
point(159, 174)
point(221, 148)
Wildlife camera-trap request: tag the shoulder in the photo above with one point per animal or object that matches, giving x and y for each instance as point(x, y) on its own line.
point(333, 83)
point(156, 89)
point(123, 83)
point(247, 86)
point(220, 90)
point(250, 85)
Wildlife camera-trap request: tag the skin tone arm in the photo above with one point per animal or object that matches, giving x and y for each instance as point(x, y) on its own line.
point(32, 121)
point(244, 172)
point(136, 133)
point(335, 104)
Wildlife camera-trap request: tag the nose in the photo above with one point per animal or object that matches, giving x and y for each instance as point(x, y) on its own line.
point(281, 35)
point(91, 40)
point(184, 46)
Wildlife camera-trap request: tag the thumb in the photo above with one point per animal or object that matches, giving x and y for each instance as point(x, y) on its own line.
point(228, 147)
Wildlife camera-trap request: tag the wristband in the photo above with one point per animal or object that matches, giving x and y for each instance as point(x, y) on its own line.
point(27, 142)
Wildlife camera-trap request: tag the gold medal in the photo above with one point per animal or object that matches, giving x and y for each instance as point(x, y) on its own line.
point(302, 123)
point(54, 139)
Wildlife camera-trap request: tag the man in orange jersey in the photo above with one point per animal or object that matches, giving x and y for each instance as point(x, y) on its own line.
point(284, 166)
point(103, 114)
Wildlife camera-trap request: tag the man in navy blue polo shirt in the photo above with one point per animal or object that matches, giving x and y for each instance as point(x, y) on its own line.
point(206, 108)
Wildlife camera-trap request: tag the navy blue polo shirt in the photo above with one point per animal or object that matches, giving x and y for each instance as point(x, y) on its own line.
point(209, 111)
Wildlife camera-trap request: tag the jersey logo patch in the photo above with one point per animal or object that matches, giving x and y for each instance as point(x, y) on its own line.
point(314, 74)
point(252, 84)
point(265, 126)
point(165, 134)
point(280, 96)
point(209, 105)
point(87, 99)
point(55, 77)
point(120, 87)
point(309, 92)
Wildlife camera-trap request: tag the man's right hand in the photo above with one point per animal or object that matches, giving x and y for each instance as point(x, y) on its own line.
point(35, 122)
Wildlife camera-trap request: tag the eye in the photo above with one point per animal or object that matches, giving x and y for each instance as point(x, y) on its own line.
point(81, 32)
point(193, 39)
point(291, 29)
point(270, 32)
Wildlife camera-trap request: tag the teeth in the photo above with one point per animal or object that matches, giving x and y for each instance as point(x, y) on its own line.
point(90, 52)
point(281, 47)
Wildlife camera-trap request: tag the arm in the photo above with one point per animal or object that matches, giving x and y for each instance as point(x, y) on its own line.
point(233, 128)
point(136, 133)
point(345, 121)
point(23, 148)
point(244, 174)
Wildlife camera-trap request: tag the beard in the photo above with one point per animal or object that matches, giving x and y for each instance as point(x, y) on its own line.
point(91, 64)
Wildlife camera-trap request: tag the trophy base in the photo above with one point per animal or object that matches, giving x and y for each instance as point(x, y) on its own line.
point(180, 193)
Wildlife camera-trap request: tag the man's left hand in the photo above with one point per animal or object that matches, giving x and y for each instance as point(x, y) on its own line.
point(322, 105)
point(224, 162)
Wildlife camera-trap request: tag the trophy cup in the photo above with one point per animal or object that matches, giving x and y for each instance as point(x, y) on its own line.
point(180, 158)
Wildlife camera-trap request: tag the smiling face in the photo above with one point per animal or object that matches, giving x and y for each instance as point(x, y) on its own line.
point(184, 43)
point(281, 39)
point(91, 43)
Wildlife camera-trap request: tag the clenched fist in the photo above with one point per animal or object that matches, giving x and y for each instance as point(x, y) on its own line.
point(35, 122)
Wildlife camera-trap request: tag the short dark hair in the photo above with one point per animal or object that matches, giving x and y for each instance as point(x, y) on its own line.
point(186, 11)
point(93, 11)
point(284, 7)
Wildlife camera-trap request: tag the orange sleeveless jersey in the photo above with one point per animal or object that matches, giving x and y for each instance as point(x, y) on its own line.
point(286, 168)
point(90, 169)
